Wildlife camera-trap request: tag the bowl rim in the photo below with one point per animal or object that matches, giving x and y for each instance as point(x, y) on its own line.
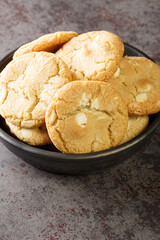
point(82, 157)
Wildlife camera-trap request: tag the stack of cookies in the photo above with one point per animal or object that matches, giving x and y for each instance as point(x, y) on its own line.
point(78, 92)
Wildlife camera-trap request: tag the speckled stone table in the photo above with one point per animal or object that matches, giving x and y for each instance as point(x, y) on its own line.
point(121, 203)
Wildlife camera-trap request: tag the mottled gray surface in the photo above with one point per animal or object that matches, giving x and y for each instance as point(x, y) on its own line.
point(122, 203)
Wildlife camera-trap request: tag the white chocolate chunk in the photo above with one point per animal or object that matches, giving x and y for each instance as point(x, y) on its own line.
point(116, 98)
point(26, 133)
point(116, 74)
point(158, 104)
point(84, 100)
point(93, 46)
point(85, 50)
point(97, 38)
point(81, 119)
point(141, 97)
point(100, 117)
point(52, 117)
point(95, 104)
point(148, 88)
point(28, 124)
point(3, 93)
point(88, 48)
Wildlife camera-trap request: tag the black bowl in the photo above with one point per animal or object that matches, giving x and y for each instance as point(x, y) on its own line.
point(50, 159)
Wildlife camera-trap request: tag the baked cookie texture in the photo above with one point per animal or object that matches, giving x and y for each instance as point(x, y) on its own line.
point(48, 43)
point(78, 98)
point(27, 85)
point(138, 81)
point(93, 55)
point(136, 125)
point(32, 136)
point(86, 116)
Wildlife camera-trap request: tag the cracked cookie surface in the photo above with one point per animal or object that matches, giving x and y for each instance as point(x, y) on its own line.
point(138, 81)
point(32, 136)
point(27, 85)
point(93, 55)
point(86, 116)
point(48, 43)
point(136, 125)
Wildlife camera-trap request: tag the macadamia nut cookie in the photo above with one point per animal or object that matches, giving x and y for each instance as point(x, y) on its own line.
point(32, 136)
point(48, 43)
point(138, 81)
point(86, 116)
point(136, 125)
point(27, 85)
point(93, 55)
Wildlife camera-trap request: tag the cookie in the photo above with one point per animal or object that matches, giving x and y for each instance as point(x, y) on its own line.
point(92, 55)
point(27, 85)
point(48, 43)
point(32, 136)
point(86, 116)
point(138, 81)
point(136, 125)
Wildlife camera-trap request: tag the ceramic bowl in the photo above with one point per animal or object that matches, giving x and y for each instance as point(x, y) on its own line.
point(48, 158)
